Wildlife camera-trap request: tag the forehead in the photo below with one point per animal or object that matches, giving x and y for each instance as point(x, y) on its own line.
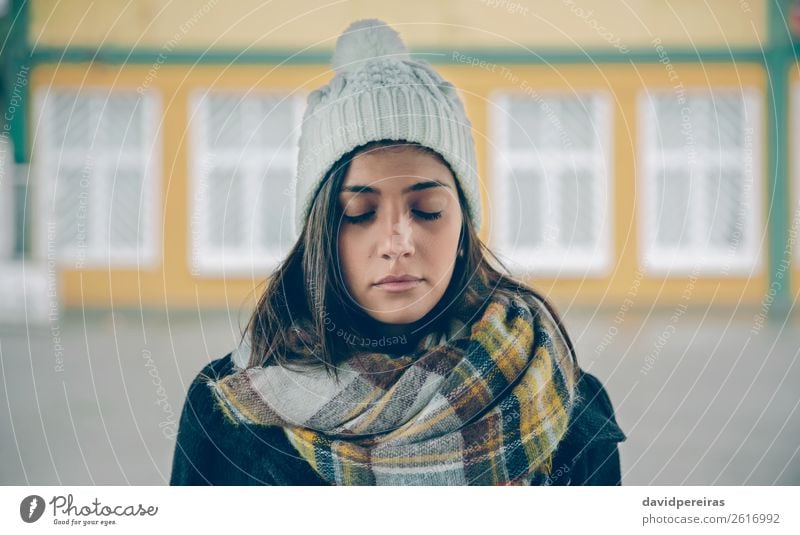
point(397, 165)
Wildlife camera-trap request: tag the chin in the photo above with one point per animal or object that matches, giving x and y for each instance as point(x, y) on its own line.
point(400, 317)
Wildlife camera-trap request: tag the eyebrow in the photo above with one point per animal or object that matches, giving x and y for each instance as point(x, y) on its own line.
point(419, 186)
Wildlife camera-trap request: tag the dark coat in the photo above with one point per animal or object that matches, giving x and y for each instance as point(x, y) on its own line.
point(210, 450)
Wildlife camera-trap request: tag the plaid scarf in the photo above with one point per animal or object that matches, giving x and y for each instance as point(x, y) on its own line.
point(480, 406)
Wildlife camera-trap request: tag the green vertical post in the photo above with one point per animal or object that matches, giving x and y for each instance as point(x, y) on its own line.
point(777, 62)
point(20, 67)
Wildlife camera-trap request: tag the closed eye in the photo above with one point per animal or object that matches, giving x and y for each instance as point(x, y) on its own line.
point(428, 216)
point(356, 219)
point(361, 218)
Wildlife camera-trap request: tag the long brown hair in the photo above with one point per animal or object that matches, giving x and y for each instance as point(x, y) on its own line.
point(307, 287)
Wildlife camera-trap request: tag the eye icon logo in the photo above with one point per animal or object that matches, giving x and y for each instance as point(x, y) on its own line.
point(31, 508)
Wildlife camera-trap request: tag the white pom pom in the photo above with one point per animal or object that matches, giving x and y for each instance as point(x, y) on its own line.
point(366, 39)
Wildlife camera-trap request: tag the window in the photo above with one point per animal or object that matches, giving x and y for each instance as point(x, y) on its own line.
point(98, 151)
point(700, 209)
point(551, 191)
point(243, 159)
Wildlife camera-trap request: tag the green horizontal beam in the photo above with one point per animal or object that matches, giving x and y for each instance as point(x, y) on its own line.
point(117, 55)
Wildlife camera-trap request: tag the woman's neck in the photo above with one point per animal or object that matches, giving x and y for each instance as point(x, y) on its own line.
point(393, 337)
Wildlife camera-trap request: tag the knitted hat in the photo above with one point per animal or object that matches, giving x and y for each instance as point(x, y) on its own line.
point(377, 93)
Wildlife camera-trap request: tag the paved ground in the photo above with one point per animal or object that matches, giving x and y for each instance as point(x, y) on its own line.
point(92, 397)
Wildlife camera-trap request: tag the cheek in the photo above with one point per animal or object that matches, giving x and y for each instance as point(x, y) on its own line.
point(440, 248)
point(349, 254)
point(447, 238)
point(345, 248)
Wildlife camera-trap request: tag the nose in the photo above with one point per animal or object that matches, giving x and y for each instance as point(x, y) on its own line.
point(399, 241)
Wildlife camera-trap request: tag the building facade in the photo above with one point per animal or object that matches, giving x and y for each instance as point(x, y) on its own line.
point(629, 156)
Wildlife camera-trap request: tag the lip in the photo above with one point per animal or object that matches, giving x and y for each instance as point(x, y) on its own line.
point(397, 278)
point(401, 283)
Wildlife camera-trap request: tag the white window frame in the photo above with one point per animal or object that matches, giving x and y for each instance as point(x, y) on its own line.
point(698, 261)
point(253, 260)
point(554, 260)
point(47, 158)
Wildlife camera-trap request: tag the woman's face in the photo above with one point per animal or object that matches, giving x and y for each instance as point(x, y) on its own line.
point(401, 218)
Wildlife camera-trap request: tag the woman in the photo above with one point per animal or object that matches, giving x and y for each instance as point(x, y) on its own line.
point(386, 350)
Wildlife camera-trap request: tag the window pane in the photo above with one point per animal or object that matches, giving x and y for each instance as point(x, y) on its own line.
point(722, 127)
point(704, 205)
point(225, 200)
point(92, 152)
point(726, 208)
point(674, 122)
point(672, 207)
point(552, 134)
point(224, 128)
point(579, 128)
point(74, 126)
point(555, 190)
point(73, 208)
point(276, 209)
point(578, 208)
point(552, 123)
point(526, 221)
point(524, 123)
point(127, 215)
point(121, 122)
point(254, 166)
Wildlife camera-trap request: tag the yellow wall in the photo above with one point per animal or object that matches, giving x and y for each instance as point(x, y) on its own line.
point(172, 284)
point(297, 24)
point(624, 82)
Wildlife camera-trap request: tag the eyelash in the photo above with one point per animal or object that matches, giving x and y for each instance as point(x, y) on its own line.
point(427, 216)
